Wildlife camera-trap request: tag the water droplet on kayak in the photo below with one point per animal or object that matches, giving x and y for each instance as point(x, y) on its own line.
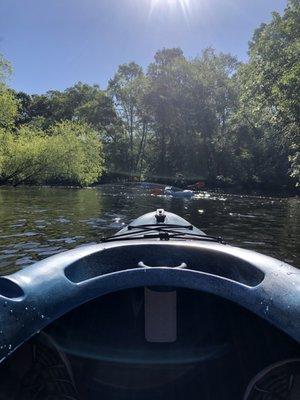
point(5, 304)
point(11, 311)
point(42, 316)
point(9, 347)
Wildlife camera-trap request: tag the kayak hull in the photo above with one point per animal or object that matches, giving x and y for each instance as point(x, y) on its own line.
point(33, 298)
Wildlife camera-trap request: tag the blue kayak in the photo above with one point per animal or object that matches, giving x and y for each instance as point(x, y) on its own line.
point(159, 309)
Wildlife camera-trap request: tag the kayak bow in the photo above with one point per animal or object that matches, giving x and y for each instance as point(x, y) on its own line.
point(33, 297)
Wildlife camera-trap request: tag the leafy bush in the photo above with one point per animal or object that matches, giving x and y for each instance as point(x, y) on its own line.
point(8, 108)
point(69, 153)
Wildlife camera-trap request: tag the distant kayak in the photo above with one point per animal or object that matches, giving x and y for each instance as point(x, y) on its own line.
point(176, 192)
point(157, 189)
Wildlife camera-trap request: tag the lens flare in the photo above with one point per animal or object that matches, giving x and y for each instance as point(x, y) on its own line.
point(183, 4)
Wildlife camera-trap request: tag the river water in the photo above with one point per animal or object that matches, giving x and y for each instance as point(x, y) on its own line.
point(38, 222)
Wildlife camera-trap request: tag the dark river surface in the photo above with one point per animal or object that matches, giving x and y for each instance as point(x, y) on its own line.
point(38, 222)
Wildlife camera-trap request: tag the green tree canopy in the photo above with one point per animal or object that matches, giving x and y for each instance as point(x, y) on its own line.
point(269, 93)
point(80, 102)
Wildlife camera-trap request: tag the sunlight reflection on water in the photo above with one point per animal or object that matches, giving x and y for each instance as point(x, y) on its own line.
point(38, 222)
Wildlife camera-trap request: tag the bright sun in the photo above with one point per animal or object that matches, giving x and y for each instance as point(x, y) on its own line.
point(185, 6)
point(183, 3)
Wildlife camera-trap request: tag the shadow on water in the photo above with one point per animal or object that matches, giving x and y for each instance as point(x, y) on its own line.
point(38, 222)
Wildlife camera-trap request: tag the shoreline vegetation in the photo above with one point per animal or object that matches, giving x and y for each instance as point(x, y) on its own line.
point(233, 125)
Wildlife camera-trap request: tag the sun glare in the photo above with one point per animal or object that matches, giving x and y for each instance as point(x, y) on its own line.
point(184, 4)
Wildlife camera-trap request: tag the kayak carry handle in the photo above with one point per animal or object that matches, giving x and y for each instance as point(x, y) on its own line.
point(143, 265)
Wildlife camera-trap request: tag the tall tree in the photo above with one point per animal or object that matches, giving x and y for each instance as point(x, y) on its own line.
point(162, 99)
point(191, 102)
point(270, 87)
point(127, 89)
point(8, 102)
point(5, 69)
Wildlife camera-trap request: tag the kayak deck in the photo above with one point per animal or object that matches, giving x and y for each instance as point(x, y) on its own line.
point(155, 309)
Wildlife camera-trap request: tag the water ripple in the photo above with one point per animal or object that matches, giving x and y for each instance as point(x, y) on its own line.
point(38, 222)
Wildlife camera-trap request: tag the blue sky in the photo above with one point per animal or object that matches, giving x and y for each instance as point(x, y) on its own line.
point(53, 44)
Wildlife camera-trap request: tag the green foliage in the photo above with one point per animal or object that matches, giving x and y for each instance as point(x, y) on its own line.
point(23, 156)
point(295, 164)
point(8, 108)
point(127, 90)
point(77, 151)
point(191, 102)
point(5, 69)
point(70, 153)
point(269, 86)
point(24, 112)
point(8, 102)
point(275, 65)
point(79, 102)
